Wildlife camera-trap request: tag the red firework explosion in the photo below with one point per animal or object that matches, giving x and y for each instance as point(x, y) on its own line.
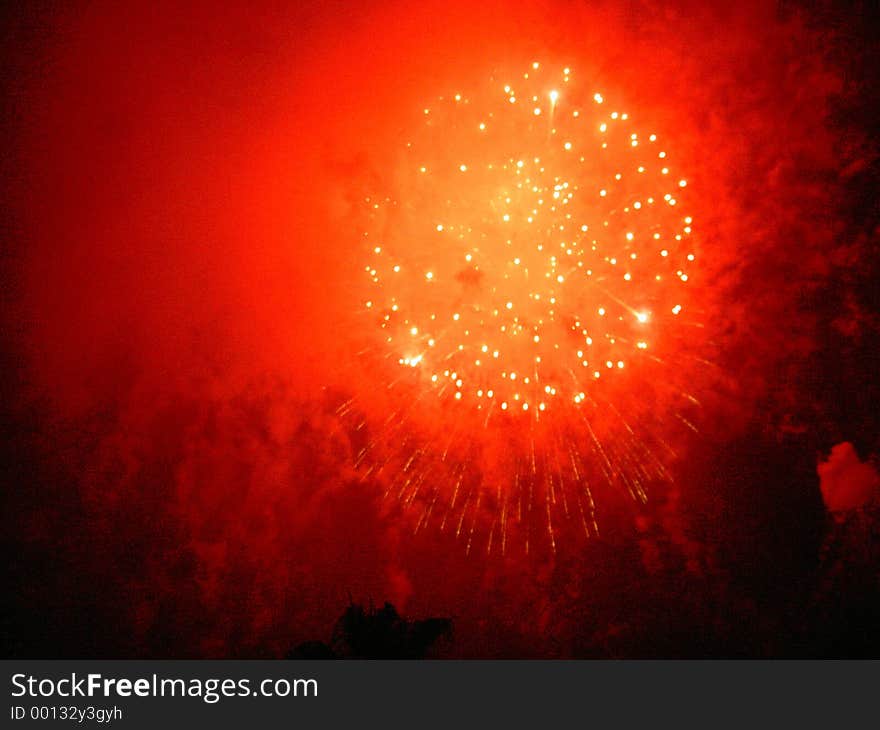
point(527, 288)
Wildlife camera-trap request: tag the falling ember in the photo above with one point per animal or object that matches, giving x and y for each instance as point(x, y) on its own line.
point(535, 249)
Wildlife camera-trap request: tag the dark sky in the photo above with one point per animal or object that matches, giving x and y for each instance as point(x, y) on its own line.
point(179, 286)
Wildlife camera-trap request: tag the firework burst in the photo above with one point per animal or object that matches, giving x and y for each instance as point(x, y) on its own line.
point(527, 288)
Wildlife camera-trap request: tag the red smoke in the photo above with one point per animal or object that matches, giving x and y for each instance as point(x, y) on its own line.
point(187, 283)
point(846, 482)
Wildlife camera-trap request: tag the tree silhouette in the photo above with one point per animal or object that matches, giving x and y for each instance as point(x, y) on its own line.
point(367, 633)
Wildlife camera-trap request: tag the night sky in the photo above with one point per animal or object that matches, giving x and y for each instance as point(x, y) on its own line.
point(210, 447)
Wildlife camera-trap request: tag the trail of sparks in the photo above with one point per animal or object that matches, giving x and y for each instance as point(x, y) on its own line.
point(536, 247)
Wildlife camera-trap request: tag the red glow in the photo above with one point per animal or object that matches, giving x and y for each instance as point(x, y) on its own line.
point(205, 392)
